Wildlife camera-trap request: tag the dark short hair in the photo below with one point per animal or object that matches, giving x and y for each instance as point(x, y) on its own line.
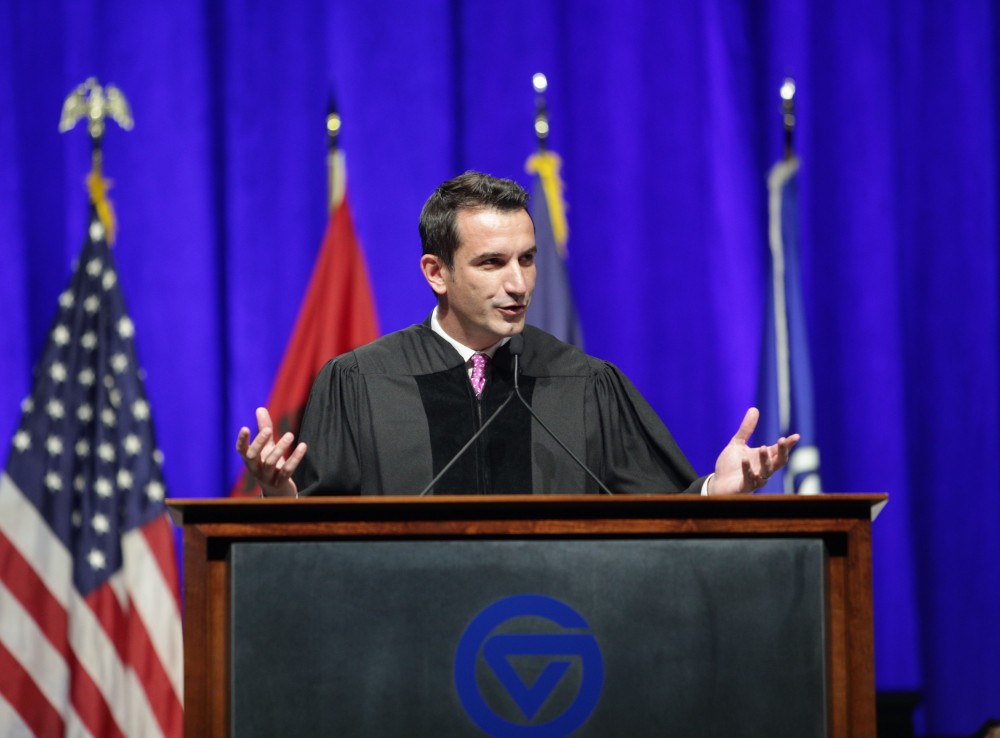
point(469, 191)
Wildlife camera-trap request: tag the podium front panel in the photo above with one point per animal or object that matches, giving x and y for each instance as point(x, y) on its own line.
point(529, 637)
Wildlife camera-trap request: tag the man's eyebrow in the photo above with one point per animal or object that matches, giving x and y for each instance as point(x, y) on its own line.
point(503, 254)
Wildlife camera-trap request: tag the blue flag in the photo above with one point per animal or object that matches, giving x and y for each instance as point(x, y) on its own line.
point(785, 391)
point(552, 307)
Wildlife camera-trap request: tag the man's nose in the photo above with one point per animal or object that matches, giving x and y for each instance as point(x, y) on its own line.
point(516, 282)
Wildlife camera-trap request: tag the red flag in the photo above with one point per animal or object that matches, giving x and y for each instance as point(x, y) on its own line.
point(337, 315)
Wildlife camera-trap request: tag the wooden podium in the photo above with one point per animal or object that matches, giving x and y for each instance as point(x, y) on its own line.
point(642, 567)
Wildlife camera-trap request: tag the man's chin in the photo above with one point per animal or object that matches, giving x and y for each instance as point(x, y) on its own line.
point(514, 326)
point(501, 332)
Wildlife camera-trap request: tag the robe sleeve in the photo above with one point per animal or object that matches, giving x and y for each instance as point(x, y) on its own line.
point(638, 453)
point(330, 428)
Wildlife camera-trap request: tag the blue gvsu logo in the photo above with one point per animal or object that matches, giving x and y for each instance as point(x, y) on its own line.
point(524, 668)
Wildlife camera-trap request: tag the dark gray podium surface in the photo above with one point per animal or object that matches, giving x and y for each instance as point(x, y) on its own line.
point(529, 616)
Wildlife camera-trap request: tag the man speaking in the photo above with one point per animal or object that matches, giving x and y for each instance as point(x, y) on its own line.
point(428, 408)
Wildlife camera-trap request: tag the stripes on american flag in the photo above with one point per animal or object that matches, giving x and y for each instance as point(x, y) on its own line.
point(90, 629)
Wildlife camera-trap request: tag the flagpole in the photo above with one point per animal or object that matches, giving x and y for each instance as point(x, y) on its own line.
point(541, 85)
point(546, 165)
point(788, 115)
point(335, 170)
point(776, 181)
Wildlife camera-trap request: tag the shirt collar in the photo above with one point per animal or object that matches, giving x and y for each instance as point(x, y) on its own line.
point(464, 351)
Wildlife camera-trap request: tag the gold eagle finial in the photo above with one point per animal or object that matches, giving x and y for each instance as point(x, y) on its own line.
point(95, 103)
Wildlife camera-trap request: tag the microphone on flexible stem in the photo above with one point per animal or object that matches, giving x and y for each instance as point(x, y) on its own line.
point(516, 346)
point(464, 448)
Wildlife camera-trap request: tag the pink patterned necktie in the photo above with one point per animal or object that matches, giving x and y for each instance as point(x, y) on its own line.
point(478, 376)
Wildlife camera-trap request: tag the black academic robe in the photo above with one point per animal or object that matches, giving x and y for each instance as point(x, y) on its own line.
point(387, 417)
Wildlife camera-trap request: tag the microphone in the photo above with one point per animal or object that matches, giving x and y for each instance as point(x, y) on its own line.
point(516, 347)
point(471, 441)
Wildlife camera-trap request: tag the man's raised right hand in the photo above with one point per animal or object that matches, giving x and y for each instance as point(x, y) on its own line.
point(266, 460)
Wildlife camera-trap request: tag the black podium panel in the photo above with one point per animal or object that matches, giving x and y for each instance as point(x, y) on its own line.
point(596, 637)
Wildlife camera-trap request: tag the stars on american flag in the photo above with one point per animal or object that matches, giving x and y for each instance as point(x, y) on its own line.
point(119, 363)
point(103, 488)
point(140, 408)
point(155, 491)
point(133, 444)
point(96, 559)
point(96, 230)
point(53, 481)
point(87, 424)
point(124, 479)
point(100, 524)
point(125, 328)
point(54, 445)
point(58, 372)
point(22, 441)
point(106, 452)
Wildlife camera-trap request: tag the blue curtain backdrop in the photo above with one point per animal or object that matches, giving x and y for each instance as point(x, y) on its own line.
point(666, 116)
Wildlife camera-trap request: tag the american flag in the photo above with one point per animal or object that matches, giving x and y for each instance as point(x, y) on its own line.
point(90, 630)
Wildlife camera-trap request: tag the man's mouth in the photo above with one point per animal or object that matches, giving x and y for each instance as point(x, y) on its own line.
point(512, 310)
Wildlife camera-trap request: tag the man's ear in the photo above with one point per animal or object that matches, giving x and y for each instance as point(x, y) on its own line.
point(434, 272)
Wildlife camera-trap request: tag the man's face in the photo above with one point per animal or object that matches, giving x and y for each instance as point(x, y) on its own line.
point(485, 295)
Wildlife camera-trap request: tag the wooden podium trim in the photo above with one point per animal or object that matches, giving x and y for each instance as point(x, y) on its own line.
point(843, 521)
